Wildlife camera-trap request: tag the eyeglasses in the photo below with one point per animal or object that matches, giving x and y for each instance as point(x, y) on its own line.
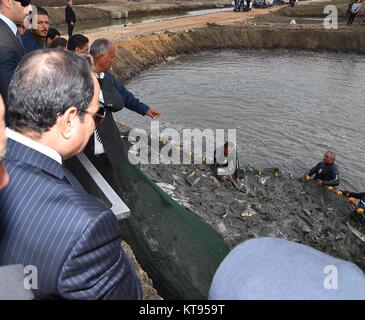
point(24, 3)
point(98, 117)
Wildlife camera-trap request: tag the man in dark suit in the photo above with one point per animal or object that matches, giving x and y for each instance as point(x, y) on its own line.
point(11, 48)
point(46, 219)
point(11, 276)
point(70, 18)
point(115, 97)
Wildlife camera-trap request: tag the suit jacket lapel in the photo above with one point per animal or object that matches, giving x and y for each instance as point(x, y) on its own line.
point(10, 33)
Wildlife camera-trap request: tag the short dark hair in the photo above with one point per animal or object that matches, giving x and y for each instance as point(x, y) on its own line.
point(41, 11)
point(59, 43)
point(77, 41)
point(53, 33)
point(45, 84)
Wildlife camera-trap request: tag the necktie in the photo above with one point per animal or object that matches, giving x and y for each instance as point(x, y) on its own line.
point(20, 39)
point(97, 136)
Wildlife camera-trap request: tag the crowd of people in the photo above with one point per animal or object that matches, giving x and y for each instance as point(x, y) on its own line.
point(247, 5)
point(59, 100)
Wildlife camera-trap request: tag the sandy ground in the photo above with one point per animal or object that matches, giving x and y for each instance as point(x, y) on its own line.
point(275, 15)
point(186, 23)
point(102, 10)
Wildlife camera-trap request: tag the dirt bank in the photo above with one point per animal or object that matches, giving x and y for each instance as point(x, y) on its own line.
point(134, 55)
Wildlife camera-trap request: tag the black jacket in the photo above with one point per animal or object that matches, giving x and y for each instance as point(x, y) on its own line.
point(108, 130)
point(328, 173)
point(70, 14)
point(11, 52)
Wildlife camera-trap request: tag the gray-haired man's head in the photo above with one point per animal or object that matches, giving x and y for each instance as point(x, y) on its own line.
point(103, 52)
point(329, 157)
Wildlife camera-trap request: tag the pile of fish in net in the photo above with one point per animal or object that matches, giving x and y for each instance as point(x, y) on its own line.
point(266, 204)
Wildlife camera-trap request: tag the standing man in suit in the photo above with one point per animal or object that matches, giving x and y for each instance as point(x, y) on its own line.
point(70, 18)
point(104, 143)
point(46, 219)
point(11, 47)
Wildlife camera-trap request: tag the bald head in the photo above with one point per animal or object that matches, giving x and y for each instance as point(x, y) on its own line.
point(45, 84)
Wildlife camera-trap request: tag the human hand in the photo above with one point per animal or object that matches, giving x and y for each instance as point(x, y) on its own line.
point(319, 183)
point(352, 201)
point(152, 113)
point(224, 178)
point(307, 178)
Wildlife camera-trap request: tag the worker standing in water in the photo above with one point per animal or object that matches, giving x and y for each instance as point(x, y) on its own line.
point(226, 164)
point(325, 172)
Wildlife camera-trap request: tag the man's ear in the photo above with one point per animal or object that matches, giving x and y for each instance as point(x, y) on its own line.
point(67, 122)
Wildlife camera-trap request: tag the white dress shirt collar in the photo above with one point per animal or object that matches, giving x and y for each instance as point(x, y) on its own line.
point(10, 23)
point(47, 151)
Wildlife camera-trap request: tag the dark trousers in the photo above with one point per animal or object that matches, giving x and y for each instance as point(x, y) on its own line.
point(70, 29)
point(351, 18)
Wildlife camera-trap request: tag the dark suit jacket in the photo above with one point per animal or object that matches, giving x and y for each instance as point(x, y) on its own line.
point(116, 96)
point(11, 52)
point(70, 15)
point(47, 220)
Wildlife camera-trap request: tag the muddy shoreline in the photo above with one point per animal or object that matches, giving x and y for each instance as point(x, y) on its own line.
point(137, 54)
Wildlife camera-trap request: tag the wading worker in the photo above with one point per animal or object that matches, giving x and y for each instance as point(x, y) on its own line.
point(325, 172)
point(47, 220)
point(114, 96)
point(226, 165)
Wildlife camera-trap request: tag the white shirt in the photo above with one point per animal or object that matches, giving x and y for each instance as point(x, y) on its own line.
point(10, 24)
point(98, 146)
point(47, 151)
point(356, 7)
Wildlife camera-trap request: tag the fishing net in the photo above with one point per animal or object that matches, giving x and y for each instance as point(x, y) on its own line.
point(178, 250)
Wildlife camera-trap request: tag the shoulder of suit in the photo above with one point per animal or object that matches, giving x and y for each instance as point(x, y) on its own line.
point(56, 190)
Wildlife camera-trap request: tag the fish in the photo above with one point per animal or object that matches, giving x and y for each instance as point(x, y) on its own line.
point(356, 232)
point(263, 180)
point(167, 186)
